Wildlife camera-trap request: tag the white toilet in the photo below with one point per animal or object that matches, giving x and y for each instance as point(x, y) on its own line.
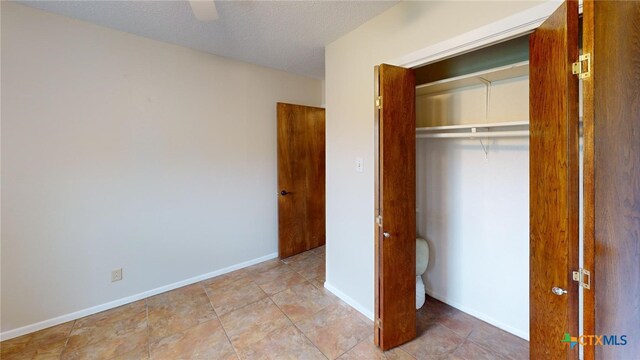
point(422, 261)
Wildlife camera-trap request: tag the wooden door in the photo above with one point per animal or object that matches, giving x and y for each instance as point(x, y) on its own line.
point(612, 175)
point(395, 239)
point(554, 166)
point(301, 178)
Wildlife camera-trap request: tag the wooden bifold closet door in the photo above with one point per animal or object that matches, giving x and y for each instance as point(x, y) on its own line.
point(611, 37)
point(395, 238)
point(553, 184)
point(610, 71)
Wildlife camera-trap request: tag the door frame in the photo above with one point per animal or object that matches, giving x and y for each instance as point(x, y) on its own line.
point(499, 31)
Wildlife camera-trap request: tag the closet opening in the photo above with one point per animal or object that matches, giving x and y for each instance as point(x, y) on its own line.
point(435, 179)
point(472, 192)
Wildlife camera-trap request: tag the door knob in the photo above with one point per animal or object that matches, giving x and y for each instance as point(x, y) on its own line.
point(284, 192)
point(386, 234)
point(558, 291)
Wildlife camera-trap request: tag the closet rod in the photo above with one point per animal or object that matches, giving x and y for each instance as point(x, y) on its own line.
point(486, 134)
point(471, 126)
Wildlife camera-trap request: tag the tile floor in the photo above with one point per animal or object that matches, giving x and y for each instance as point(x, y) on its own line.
point(272, 310)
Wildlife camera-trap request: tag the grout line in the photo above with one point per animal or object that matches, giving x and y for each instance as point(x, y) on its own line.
point(229, 340)
point(146, 306)
point(457, 346)
point(485, 347)
point(307, 281)
point(220, 321)
point(349, 349)
point(68, 337)
point(300, 330)
point(316, 256)
point(292, 324)
point(28, 343)
point(356, 314)
point(182, 330)
point(403, 350)
point(467, 338)
point(222, 327)
point(241, 307)
point(94, 342)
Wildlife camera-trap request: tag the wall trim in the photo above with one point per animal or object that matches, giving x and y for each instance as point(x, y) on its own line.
point(349, 300)
point(10, 334)
point(502, 30)
point(482, 316)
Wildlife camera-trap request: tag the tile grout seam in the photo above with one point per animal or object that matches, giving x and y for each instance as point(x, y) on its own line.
point(146, 307)
point(220, 321)
point(287, 316)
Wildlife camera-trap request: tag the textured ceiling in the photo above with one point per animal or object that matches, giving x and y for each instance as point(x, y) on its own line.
point(286, 35)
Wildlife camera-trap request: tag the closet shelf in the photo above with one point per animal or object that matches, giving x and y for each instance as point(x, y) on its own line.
point(475, 79)
point(488, 130)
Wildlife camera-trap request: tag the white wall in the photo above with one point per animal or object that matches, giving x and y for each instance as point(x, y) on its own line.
point(119, 151)
point(474, 214)
point(405, 28)
point(474, 209)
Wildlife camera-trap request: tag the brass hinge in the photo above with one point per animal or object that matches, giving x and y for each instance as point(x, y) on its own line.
point(580, 277)
point(378, 323)
point(379, 220)
point(379, 102)
point(582, 67)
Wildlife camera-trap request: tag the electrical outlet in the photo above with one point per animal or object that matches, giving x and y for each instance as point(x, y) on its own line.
point(116, 275)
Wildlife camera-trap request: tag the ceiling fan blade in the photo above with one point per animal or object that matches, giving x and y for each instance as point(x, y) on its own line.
point(204, 10)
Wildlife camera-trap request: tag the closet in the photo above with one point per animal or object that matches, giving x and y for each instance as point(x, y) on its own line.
point(472, 188)
point(470, 129)
point(484, 163)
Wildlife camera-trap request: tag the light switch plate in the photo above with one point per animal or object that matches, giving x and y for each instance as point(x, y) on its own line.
point(359, 165)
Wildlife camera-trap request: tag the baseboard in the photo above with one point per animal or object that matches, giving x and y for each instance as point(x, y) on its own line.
point(488, 319)
point(10, 334)
point(481, 316)
point(344, 297)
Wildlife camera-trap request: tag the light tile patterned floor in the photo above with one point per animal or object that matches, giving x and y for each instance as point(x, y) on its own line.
point(272, 310)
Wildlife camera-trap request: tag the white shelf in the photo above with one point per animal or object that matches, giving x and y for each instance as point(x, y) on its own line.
point(476, 135)
point(479, 131)
point(475, 79)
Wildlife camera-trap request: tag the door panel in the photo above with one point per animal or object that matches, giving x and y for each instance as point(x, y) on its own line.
point(554, 184)
point(301, 175)
point(612, 36)
point(588, 210)
point(396, 187)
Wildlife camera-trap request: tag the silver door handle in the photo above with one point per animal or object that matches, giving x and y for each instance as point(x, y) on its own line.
point(558, 291)
point(386, 234)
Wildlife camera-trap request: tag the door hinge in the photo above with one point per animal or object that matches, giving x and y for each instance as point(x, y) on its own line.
point(379, 220)
point(379, 102)
point(378, 323)
point(582, 67)
point(583, 277)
